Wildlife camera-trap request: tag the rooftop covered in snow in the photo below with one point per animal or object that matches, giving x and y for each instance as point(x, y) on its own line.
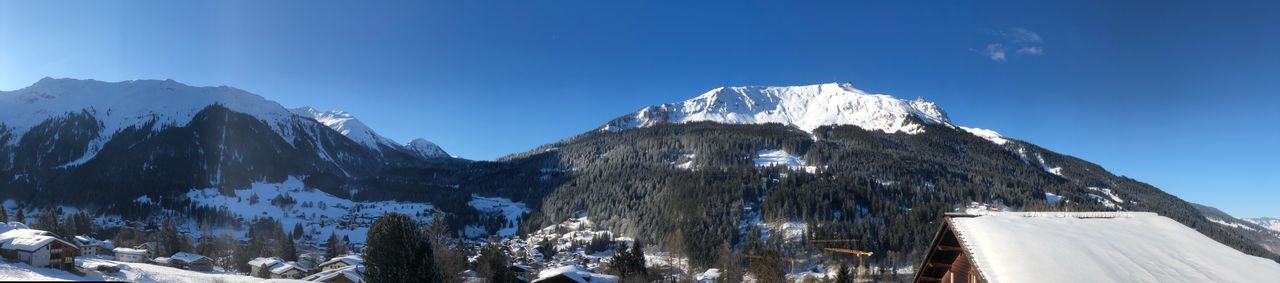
point(1083, 247)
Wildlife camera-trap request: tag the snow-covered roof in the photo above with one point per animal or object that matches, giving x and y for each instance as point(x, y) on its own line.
point(188, 257)
point(27, 239)
point(1101, 247)
point(352, 273)
point(348, 259)
point(129, 251)
point(285, 267)
point(266, 261)
point(162, 260)
point(85, 240)
point(575, 273)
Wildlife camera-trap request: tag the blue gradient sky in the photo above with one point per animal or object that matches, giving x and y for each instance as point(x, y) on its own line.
point(1184, 95)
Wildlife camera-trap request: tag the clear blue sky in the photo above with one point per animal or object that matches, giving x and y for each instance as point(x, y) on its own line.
point(1181, 94)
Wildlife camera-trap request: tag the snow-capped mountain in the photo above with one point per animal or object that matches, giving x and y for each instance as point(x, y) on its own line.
point(153, 137)
point(118, 106)
point(348, 125)
point(425, 149)
point(803, 107)
point(1269, 223)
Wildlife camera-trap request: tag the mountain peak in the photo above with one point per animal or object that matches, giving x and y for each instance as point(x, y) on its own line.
point(347, 125)
point(805, 107)
point(425, 149)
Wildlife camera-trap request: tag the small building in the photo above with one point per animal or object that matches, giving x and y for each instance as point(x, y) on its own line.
point(349, 274)
point(190, 261)
point(91, 247)
point(162, 261)
point(261, 267)
point(342, 261)
point(288, 270)
point(573, 274)
point(37, 248)
point(1082, 247)
point(131, 255)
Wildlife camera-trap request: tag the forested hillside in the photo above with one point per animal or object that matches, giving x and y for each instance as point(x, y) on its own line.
point(694, 189)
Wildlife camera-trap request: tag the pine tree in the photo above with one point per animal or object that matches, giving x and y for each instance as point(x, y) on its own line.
point(21, 216)
point(842, 275)
point(297, 231)
point(284, 244)
point(397, 251)
point(493, 264)
point(629, 263)
point(168, 239)
point(333, 248)
point(4, 215)
point(47, 220)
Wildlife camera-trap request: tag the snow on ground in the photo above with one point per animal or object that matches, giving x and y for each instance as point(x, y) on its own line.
point(1111, 200)
point(131, 272)
point(1052, 198)
point(1230, 224)
point(1269, 223)
point(990, 135)
point(685, 163)
point(320, 213)
point(778, 157)
point(1110, 194)
point(1047, 168)
point(512, 210)
point(1102, 247)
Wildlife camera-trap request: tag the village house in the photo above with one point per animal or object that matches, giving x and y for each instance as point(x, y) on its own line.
point(340, 262)
point(288, 270)
point(261, 267)
point(190, 261)
point(1082, 247)
point(573, 274)
point(37, 248)
point(91, 247)
point(348, 274)
point(131, 255)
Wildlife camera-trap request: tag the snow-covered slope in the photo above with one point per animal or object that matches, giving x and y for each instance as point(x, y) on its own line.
point(425, 149)
point(130, 272)
point(1101, 247)
point(348, 125)
point(1269, 223)
point(803, 107)
point(120, 105)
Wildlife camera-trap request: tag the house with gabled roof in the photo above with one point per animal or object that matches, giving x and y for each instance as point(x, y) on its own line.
point(347, 274)
point(191, 261)
point(288, 270)
point(131, 254)
point(37, 248)
point(261, 267)
point(1082, 247)
point(342, 261)
point(93, 247)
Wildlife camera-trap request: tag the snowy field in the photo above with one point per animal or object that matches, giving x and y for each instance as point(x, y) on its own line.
point(131, 272)
point(320, 213)
point(511, 210)
point(778, 157)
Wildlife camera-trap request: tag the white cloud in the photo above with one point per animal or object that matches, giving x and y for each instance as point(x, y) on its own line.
point(1035, 50)
point(1022, 36)
point(1023, 42)
point(995, 51)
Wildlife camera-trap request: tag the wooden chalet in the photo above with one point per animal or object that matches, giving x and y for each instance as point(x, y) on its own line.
point(37, 248)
